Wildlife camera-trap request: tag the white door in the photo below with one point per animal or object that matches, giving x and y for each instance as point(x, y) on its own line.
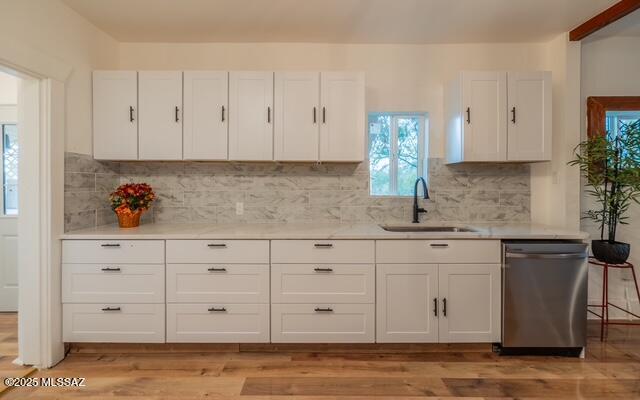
point(342, 116)
point(407, 303)
point(160, 125)
point(529, 132)
point(115, 115)
point(484, 103)
point(205, 115)
point(297, 98)
point(251, 115)
point(9, 210)
point(469, 302)
point(8, 263)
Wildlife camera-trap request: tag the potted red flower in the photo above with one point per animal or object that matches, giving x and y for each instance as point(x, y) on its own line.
point(130, 201)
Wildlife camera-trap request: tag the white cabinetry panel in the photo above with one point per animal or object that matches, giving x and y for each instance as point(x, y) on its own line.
point(115, 115)
point(407, 303)
point(472, 297)
point(297, 107)
point(323, 323)
point(251, 115)
point(206, 115)
point(160, 126)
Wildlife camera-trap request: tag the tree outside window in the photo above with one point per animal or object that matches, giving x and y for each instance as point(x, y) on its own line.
point(396, 152)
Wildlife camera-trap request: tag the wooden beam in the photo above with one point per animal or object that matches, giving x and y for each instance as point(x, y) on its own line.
point(611, 14)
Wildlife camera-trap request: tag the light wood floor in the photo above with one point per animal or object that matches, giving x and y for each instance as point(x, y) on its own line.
point(610, 370)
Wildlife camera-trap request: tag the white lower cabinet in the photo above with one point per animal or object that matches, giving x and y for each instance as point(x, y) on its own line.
point(470, 301)
point(444, 303)
point(113, 323)
point(221, 323)
point(407, 303)
point(298, 291)
point(322, 323)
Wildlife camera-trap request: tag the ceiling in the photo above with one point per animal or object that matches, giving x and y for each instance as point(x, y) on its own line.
point(337, 21)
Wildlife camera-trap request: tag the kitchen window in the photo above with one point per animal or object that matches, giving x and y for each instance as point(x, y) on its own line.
point(9, 169)
point(397, 149)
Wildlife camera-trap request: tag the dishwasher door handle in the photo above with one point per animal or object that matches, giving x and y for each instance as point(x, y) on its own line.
point(546, 255)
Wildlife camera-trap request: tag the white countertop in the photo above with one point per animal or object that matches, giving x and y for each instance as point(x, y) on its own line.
point(317, 231)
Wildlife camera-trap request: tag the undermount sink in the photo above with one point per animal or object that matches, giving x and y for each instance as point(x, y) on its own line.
point(419, 228)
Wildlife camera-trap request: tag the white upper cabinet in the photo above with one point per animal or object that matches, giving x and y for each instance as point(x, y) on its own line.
point(160, 126)
point(296, 125)
point(251, 115)
point(205, 115)
point(479, 114)
point(342, 115)
point(470, 303)
point(115, 115)
point(529, 126)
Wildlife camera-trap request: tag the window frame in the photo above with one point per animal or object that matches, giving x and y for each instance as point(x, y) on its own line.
point(423, 131)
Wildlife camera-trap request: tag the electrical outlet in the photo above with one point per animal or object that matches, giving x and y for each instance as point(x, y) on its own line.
point(239, 208)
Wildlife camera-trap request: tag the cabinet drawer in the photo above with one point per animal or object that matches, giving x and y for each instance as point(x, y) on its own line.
point(218, 251)
point(310, 283)
point(310, 323)
point(204, 283)
point(438, 251)
point(232, 323)
point(113, 251)
point(133, 323)
point(123, 283)
point(323, 251)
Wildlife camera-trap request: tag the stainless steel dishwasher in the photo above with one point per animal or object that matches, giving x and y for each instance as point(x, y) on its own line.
point(544, 296)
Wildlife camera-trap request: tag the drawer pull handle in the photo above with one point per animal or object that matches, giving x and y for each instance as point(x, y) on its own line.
point(214, 309)
point(444, 306)
point(439, 245)
point(217, 245)
point(111, 309)
point(214, 269)
point(323, 245)
point(323, 269)
point(109, 269)
point(435, 306)
point(328, 309)
point(110, 245)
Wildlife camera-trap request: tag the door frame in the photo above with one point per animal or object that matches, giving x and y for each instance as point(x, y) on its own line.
point(41, 117)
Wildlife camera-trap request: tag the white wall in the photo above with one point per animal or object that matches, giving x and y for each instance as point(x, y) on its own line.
point(399, 77)
point(54, 29)
point(610, 67)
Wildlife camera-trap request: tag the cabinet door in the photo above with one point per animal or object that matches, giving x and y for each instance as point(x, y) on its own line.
point(205, 115)
point(297, 98)
point(160, 134)
point(251, 116)
point(469, 303)
point(529, 126)
point(484, 106)
point(342, 116)
point(115, 115)
point(407, 303)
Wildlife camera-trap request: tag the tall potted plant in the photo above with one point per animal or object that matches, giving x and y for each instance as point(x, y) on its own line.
point(611, 167)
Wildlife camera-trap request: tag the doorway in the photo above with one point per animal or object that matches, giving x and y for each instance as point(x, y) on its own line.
point(9, 196)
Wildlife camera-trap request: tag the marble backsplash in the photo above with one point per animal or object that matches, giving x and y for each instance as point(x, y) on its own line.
point(207, 192)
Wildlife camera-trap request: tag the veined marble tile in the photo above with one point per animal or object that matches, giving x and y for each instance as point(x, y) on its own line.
point(107, 182)
point(79, 181)
point(468, 198)
point(106, 216)
point(172, 214)
point(213, 198)
point(277, 197)
point(79, 220)
point(517, 199)
point(152, 167)
point(317, 182)
point(84, 201)
point(204, 214)
point(372, 214)
point(354, 182)
point(338, 198)
point(169, 198)
point(77, 162)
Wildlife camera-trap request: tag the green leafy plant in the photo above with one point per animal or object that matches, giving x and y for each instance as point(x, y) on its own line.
point(611, 167)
